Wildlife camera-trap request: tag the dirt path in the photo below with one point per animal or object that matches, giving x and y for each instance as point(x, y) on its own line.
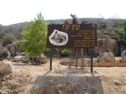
point(113, 79)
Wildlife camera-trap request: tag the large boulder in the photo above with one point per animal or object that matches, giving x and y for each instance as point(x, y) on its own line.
point(73, 84)
point(106, 57)
point(5, 67)
point(106, 43)
point(12, 49)
point(123, 55)
point(4, 53)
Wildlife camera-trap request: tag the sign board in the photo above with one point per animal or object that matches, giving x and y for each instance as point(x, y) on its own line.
point(72, 35)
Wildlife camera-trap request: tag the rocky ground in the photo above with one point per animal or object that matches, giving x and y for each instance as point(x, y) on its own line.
point(112, 79)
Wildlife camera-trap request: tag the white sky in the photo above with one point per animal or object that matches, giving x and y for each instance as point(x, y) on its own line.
point(15, 11)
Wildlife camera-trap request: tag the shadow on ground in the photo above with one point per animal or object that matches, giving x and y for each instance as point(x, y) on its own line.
point(67, 84)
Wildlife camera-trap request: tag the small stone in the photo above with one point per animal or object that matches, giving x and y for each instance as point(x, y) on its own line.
point(116, 82)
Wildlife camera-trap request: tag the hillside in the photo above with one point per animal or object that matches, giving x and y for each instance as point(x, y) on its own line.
point(104, 26)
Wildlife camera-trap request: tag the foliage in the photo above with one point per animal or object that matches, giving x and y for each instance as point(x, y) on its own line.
point(34, 37)
point(8, 39)
point(65, 52)
point(121, 31)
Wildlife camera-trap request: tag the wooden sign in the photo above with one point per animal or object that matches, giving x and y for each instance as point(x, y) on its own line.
point(72, 35)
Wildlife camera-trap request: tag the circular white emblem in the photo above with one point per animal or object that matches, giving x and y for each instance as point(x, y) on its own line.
point(58, 38)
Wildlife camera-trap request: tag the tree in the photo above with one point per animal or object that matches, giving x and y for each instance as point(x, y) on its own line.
point(34, 37)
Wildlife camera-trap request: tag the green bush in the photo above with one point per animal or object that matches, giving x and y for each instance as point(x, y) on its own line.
point(65, 52)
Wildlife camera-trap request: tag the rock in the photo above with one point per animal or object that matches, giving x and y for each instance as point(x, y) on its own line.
point(72, 61)
point(4, 53)
point(24, 59)
point(39, 60)
point(43, 59)
point(107, 57)
point(21, 54)
point(123, 55)
point(67, 85)
point(66, 61)
point(18, 58)
point(12, 49)
point(117, 82)
point(5, 67)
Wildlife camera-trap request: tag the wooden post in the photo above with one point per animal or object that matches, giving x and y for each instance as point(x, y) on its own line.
point(51, 54)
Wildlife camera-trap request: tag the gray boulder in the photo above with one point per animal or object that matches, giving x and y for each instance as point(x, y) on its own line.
point(4, 53)
point(39, 60)
point(42, 59)
point(67, 85)
point(23, 59)
point(123, 55)
point(5, 67)
point(107, 57)
point(12, 49)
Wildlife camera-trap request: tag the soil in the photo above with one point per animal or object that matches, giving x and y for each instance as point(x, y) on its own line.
point(113, 79)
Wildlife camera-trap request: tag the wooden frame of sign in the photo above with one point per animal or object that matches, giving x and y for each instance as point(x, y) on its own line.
point(72, 36)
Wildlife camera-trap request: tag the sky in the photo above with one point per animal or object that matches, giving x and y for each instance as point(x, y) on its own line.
point(16, 11)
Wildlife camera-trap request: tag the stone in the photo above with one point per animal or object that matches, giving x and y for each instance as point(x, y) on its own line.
point(43, 59)
point(5, 67)
point(12, 49)
point(66, 61)
point(66, 85)
point(4, 53)
point(21, 54)
point(117, 82)
point(39, 60)
point(23, 59)
point(81, 62)
point(18, 58)
point(123, 55)
point(107, 57)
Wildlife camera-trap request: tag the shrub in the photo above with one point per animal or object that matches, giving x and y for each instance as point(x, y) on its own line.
point(121, 31)
point(65, 52)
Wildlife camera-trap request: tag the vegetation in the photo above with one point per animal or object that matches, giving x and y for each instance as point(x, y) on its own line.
point(8, 39)
point(34, 37)
point(121, 31)
point(65, 52)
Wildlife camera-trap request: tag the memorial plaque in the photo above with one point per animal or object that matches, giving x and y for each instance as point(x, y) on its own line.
point(72, 35)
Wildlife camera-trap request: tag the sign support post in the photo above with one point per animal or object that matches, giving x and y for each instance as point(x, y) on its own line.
point(91, 60)
point(51, 54)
